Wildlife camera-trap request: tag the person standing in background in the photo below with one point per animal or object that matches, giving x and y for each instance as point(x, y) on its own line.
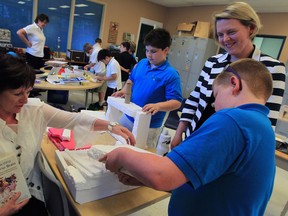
point(92, 53)
point(126, 61)
point(156, 85)
point(234, 29)
point(96, 67)
point(97, 44)
point(113, 72)
point(132, 50)
point(33, 36)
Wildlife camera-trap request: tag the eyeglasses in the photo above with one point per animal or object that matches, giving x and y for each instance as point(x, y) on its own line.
point(228, 68)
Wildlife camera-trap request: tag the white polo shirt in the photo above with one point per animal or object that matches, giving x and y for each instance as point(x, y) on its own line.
point(113, 67)
point(37, 39)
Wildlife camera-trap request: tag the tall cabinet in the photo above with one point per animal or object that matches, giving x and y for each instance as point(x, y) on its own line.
point(187, 55)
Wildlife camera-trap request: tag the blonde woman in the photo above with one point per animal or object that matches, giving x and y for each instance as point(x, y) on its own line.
point(234, 28)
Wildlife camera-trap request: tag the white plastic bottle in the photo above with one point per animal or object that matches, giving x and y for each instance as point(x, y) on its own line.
point(163, 145)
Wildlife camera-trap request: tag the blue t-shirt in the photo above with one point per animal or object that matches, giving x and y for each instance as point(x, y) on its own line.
point(230, 165)
point(155, 85)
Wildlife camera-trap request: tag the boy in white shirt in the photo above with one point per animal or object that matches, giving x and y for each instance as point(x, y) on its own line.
point(97, 68)
point(113, 72)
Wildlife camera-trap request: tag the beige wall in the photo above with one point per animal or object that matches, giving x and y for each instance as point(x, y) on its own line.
point(273, 23)
point(128, 13)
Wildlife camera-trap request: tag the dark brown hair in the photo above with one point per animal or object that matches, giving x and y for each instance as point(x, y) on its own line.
point(15, 73)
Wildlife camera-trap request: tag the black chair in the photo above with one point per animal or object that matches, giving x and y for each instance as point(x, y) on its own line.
point(172, 120)
point(54, 194)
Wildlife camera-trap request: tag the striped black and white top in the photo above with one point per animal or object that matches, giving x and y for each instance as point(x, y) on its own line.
point(200, 96)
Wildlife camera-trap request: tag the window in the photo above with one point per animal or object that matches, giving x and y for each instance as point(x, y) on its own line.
point(270, 44)
point(15, 14)
point(58, 12)
point(85, 23)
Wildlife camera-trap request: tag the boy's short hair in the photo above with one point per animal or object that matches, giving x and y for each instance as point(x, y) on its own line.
point(126, 44)
point(159, 38)
point(102, 54)
point(255, 74)
point(98, 40)
point(87, 47)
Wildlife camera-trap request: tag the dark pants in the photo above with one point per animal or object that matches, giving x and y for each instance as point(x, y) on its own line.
point(36, 63)
point(34, 207)
point(109, 92)
point(33, 61)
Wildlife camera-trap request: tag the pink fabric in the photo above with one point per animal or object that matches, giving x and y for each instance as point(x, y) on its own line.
point(55, 135)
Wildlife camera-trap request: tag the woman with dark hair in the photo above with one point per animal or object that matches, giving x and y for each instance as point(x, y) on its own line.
point(23, 122)
point(33, 36)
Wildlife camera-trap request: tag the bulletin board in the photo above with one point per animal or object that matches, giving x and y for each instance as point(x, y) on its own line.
point(113, 32)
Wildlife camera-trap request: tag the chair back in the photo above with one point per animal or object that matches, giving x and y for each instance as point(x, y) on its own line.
point(54, 194)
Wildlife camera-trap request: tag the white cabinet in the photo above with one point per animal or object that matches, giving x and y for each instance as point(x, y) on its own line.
point(187, 55)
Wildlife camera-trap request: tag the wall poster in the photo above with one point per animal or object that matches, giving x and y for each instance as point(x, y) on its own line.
point(113, 32)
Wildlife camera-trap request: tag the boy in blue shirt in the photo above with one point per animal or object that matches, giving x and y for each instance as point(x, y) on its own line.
point(156, 85)
point(227, 166)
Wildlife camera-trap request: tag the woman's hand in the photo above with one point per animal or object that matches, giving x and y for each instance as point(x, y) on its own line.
point(29, 44)
point(125, 133)
point(11, 208)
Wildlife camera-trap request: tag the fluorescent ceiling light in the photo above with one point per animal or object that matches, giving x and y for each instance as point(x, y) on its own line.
point(76, 15)
point(21, 2)
point(89, 14)
point(81, 5)
point(64, 6)
point(52, 8)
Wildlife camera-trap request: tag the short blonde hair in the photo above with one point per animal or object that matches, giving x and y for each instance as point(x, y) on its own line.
point(242, 12)
point(255, 74)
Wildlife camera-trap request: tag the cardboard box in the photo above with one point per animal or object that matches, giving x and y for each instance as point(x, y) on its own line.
point(196, 29)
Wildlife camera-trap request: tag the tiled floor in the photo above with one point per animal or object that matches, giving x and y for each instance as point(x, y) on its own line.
point(275, 207)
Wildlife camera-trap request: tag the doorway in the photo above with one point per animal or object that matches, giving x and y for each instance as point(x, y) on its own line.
point(145, 27)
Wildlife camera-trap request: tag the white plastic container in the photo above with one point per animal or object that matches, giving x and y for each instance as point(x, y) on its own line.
point(163, 145)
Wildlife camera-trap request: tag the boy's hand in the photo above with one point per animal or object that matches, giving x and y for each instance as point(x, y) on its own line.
point(151, 108)
point(129, 180)
point(118, 94)
point(100, 78)
point(111, 160)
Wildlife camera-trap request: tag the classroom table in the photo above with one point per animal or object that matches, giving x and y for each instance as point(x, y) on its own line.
point(120, 204)
point(44, 85)
point(281, 160)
